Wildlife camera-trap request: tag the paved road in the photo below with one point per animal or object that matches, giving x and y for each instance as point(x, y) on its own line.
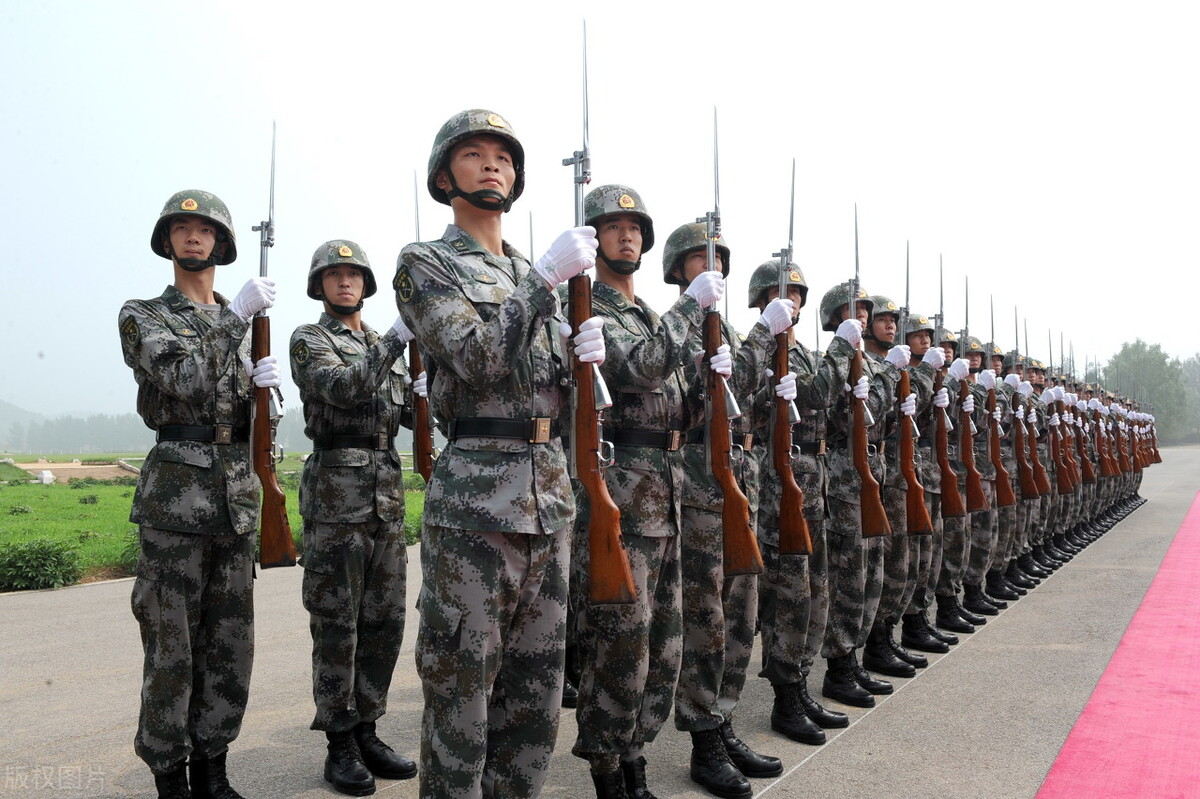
point(987, 719)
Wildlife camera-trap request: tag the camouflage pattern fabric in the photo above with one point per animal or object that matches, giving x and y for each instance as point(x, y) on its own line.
point(926, 550)
point(985, 531)
point(956, 542)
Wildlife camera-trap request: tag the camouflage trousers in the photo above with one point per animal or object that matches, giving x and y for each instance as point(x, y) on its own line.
point(926, 551)
point(718, 629)
point(629, 655)
point(899, 567)
point(793, 608)
point(1027, 514)
point(1006, 532)
point(194, 603)
point(855, 580)
point(985, 530)
point(353, 590)
point(490, 655)
point(956, 538)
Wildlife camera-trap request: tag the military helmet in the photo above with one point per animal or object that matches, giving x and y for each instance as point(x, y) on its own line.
point(993, 349)
point(193, 202)
point(1014, 360)
point(767, 275)
point(615, 199)
point(836, 298)
point(917, 323)
point(946, 336)
point(685, 239)
point(970, 345)
point(464, 125)
point(339, 252)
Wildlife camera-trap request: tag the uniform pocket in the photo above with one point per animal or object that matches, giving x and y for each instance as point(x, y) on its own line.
point(438, 643)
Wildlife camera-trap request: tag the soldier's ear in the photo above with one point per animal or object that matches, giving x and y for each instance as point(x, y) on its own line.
point(442, 180)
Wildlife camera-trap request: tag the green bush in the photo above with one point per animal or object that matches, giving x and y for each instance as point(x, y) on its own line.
point(133, 549)
point(38, 564)
point(17, 510)
point(413, 482)
point(89, 499)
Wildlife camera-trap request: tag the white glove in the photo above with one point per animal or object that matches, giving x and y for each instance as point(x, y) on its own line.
point(589, 344)
point(1025, 388)
point(1032, 417)
point(1012, 380)
point(1068, 418)
point(785, 389)
point(402, 330)
point(899, 356)
point(968, 405)
point(1093, 404)
point(571, 254)
point(777, 316)
point(851, 331)
point(862, 389)
point(1053, 421)
point(909, 406)
point(421, 385)
point(934, 357)
point(722, 361)
point(987, 379)
point(265, 373)
point(707, 289)
point(997, 415)
point(257, 295)
point(1104, 411)
point(1080, 423)
point(1081, 404)
point(942, 398)
point(960, 369)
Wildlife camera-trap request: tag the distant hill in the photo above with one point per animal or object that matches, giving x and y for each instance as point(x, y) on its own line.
point(10, 414)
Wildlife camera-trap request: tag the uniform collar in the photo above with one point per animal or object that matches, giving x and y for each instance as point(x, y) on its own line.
point(176, 300)
point(336, 326)
point(463, 242)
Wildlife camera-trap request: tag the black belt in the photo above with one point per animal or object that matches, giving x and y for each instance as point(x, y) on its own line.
point(873, 447)
point(352, 441)
point(670, 440)
point(810, 447)
point(209, 434)
point(538, 430)
point(744, 440)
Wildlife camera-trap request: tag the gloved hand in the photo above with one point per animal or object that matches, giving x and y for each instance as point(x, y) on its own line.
point(1053, 421)
point(942, 398)
point(1025, 388)
point(851, 331)
point(934, 357)
point(777, 316)
point(997, 415)
point(402, 330)
point(909, 406)
point(265, 373)
point(862, 389)
point(421, 385)
point(257, 295)
point(1032, 417)
point(987, 379)
point(1104, 411)
point(899, 356)
point(589, 344)
point(571, 254)
point(960, 369)
point(1093, 404)
point(785, 389)
point(1081, 404)
point(1012, 380)
point(968, 405)
point(722, 361)
point(707, 289)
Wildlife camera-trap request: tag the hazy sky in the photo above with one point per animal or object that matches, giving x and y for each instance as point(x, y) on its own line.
point(1049, 150)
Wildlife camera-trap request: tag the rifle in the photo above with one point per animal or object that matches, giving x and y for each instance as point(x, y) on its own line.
point(1005, 496)
point(952, 501)
point(1058, 456)
point(976, 501)
point(916, 514)
point(794, 537)
point(276, 547)
point(423, 454)
point(1039, 469)
point(610, 579)
point(870, 502)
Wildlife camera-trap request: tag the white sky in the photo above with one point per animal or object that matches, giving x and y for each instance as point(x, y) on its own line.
point(1049, 150)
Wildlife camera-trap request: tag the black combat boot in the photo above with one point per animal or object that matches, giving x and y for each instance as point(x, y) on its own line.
point(997, 587)
point(173, 784)
point(915, 635)
point(970, 618)
point(634, 772)
point(712, 768)
point(609, 786)
point(879, 657)
point(570, 697)
point(344, 765)
point(841, 685)
point(975, 602)
point(911, 658)
point(747, 761)
point(823, 716)
point(1019, 578)
point(207, 776)
point(877, 687)
point(948, 618)
point(1031, 567)
point(791, 718)
point(379, 758)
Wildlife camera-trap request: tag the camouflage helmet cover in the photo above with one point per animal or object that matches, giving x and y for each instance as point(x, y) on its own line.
point(918, 323)
point(839, 297)
point(685, 239)
point(464, 125)
point(612, 199)
point(338, 252)
point(194, 202)
point(945, 336)
point(970, 345)
point(766, 275)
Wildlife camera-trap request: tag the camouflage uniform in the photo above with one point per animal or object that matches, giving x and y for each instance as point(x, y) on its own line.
point(928, 551)
point(354, 388)
point(956, 530)
point(197, 507)
point(497, 512)
point(985, 524)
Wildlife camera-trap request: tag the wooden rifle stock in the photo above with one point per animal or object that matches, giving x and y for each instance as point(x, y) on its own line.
point(1063, 472)
point(1005, 496)
point(1089, 472)
point(874, 517)
point(794, 537)
point(610, 579)
point(976, 500)
point(276, 547)
point(917, 514)
point(952, 501)
point(1035, 460)
point(1108, 468)
point(422, 428)
point(1025, 476)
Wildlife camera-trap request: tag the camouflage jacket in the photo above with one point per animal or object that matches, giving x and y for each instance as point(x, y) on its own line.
point(1041, 425)
point(488, 328)
point(844, 482)
point(351, 383)
point(188, 367)
point(644, 370)
point(983, 430)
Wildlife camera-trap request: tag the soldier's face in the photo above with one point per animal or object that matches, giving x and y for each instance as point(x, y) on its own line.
point(192, 236)
point(884, 328)
point(975, 359)
point(919, 342)
point(478, 163)
point(342, 285)
point(793, 293)
point(948, 351)
point(998, 364)
point(620, 237)
point(863, 312)
point(696, 262)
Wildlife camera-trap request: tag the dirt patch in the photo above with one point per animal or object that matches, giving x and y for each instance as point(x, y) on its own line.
point(63, 472)
point(105, 573)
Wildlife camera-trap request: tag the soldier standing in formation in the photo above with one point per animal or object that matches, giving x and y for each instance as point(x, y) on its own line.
point(355, 390)
point(197, 499)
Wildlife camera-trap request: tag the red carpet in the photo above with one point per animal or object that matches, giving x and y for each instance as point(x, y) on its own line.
point(1139, 735)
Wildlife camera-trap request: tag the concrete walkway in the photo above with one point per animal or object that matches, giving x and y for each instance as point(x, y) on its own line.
point(987, 719)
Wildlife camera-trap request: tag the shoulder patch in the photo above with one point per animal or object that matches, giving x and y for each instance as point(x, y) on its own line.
point(458, 244)
point(300, 352)
point(403, 285)
point(130, 333)
point(483, 278)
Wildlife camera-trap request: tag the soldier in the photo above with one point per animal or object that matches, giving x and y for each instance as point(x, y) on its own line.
point(793, 599)
point(354, 387)
point(498, 509)
point(197, 499)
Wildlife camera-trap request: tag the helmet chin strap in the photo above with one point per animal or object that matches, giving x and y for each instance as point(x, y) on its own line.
point(345, 310)
point(620, 266)
point(193, 264)
point(487, 199)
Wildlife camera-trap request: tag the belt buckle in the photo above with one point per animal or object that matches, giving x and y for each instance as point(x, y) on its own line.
point(821, 447)
point(541, 430)
point(748, 441)
point(674, 439)
point(381, 441)
point(222, 434)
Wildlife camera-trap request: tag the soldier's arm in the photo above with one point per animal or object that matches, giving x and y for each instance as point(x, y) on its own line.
point(321, 374)
point(920, 380)
point(646, 361)
point(821, 388)
point(751, 356)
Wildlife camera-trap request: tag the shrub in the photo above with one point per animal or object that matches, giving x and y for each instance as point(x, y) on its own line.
point(413, 482)
point(38, 564)
point(132, 550)
point(17, 510)
point(89, 499)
